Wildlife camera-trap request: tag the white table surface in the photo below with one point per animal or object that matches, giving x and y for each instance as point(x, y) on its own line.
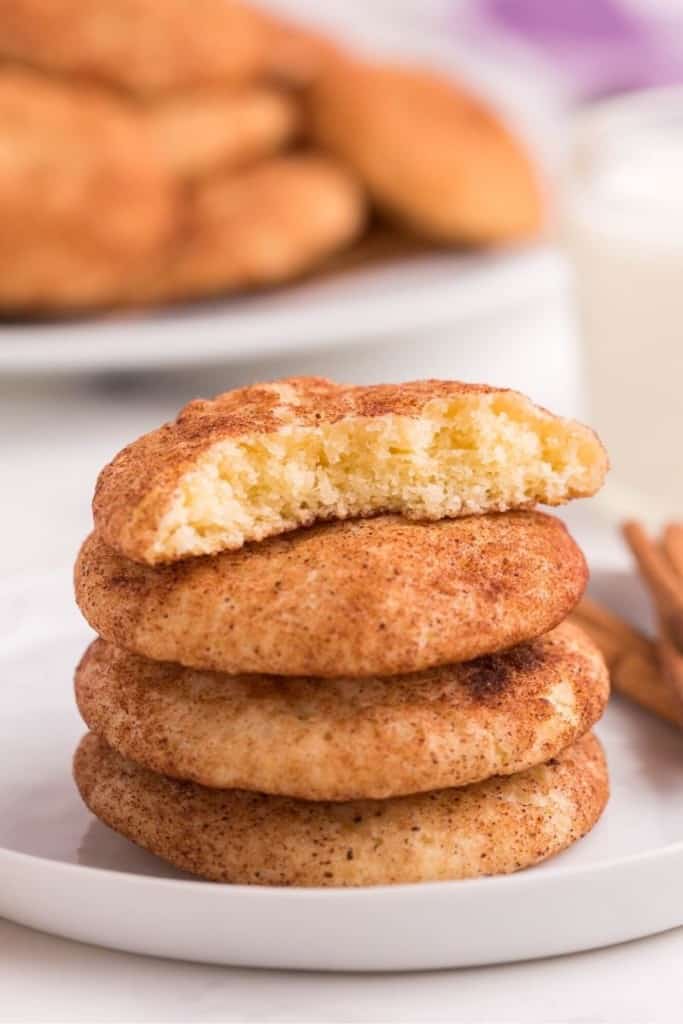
point(54, 436)
point(47, 979)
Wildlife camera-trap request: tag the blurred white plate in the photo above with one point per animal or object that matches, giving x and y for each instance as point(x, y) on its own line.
point(358, 306)
point(63, 872)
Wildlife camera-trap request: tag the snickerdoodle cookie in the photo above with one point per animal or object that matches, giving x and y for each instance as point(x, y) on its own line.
point(259, 225)
point(359, 597)
point(86, 201)
point(146, 47)
point(432, 155)
point(490, 828)
point(214, 129)
point(345, 739)
point(264, 459)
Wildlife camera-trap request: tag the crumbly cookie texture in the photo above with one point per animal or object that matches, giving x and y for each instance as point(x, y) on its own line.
point(264, 459)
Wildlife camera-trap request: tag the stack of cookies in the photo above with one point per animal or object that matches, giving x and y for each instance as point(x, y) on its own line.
point(332, 642)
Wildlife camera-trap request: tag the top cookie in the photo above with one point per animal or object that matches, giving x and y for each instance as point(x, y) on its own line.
point(261, 460)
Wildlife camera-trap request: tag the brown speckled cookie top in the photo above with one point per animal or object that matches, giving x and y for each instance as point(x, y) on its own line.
point(494, 827)
point(375, 596)
point(347, 738)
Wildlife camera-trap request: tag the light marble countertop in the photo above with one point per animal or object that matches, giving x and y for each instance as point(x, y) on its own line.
point(47, 979)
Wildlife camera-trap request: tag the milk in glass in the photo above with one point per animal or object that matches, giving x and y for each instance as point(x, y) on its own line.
point(624, 228)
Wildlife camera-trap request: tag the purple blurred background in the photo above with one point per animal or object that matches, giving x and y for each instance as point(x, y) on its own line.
point(596, 47)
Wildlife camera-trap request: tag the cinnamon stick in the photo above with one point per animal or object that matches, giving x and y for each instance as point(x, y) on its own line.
point(632, 659)
point(616, 630)
point(666, 588)
point(663, 581)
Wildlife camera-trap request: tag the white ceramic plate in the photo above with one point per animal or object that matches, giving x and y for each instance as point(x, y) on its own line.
point(63, 872)
point(359, 306)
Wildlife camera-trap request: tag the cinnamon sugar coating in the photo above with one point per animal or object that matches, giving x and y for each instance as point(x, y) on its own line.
point(433, 156)
point(344, 739)
point(257, 225)
point(359, 597)
point(212, 129)
point(149, 48)
point(86, 202)
point(493, 827)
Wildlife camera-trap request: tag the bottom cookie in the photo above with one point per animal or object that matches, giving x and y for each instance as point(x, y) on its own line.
point(492, 827)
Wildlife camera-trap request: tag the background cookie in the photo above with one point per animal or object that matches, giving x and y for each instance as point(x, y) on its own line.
point(262, 225)
point(431, 154)
point(205, 130)
point(359, 597)
point(142, 46)
point(85, 199)
point(347, 739)
point(493, 827)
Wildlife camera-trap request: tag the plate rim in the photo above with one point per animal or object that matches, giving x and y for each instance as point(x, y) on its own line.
point(118, 342)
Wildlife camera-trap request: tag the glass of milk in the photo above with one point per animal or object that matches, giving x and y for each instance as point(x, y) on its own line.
point(623, 222)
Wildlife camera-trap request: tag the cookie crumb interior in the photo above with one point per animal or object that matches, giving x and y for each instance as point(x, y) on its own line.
point(462, 455)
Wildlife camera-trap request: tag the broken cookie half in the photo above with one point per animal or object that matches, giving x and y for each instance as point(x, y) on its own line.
point(261, 460)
